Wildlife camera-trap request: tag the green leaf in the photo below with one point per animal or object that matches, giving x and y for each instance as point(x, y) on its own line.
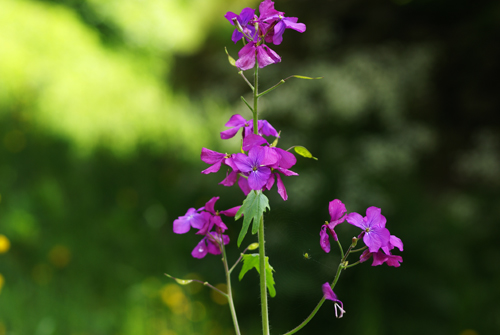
point(252, 261)
point(231, 59)
point(252, 209)
point(304, 152)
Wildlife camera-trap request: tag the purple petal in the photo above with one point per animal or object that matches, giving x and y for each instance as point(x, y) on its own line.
point(246, 15)
point(258, 178)
point(230, 179)
point(253, 140)
point(365, 256)
point(266, 56)
point(242, 162)
point(291, 23)
point(266, 9)
point(270, 181)
point(281, 188)
point(376, 238)
point(328, 292)
point(287, 159)
point(324, 239)
point(200, 250)
point(396, 242)
point(243, 184)
point(230, 16)
point(227, 134)
point(236, 121)
point(210, 205)
point(212, 169)
point(229, 162)
point(246, 58)
point(279, 29)
point(356, 220)
point(211, 157)
point(192, 219)
point(336, 209)
point(231, 211)
point(213, 246)
point(218, 222)
point(374, 217)
point(266, 128)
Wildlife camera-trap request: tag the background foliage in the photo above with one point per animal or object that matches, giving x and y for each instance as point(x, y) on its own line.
point(104, 108)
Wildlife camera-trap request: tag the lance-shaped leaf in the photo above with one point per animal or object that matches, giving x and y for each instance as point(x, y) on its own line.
point(252, 209)
point(252, 261)
point(303, 152)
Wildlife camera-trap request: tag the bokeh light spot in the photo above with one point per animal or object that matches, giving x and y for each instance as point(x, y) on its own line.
point(4, 244)
point(59, 256)
point(217, 297)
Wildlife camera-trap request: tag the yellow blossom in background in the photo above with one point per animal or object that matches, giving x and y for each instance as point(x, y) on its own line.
point(4, 244)
point(2, 281)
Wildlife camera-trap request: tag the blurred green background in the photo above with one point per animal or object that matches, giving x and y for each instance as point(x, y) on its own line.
point(104, 109)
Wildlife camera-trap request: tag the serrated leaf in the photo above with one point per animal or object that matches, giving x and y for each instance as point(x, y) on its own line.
point(252, 261)
point(230, 59)
point(304, 152)
point(252, 209)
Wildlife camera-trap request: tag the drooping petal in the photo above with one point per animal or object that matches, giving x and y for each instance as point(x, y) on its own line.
point(214, 168)
point(236, 120)
point(324, 239)
point(246, 56)
point(243, 184)
point(211, 157)
point(266, 56)
point(396, 242)
point(210, 205)
point(230, 179)
point(227, 134)
point(279, 29)
point(328, 292)
point(337, 209)
point(286, 160)
point(267, 129)
point(281, 188)
point(366, 255)
point(200, 250)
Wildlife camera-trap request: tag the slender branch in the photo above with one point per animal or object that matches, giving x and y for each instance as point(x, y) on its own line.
point(318, 306)
point(246, 80)
point(360, 249)
point(282, 81)
point(187, 281)
point(229, 289)
point(238, 260)
point(246, 103)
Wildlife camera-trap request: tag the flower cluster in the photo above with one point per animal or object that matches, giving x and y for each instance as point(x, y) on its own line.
point(209, 224)
point(256, 31)
point(262, 164)
point(375, 235)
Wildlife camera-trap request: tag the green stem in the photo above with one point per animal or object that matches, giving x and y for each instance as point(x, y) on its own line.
point(318, 306)
point(256, 98)
point(263, 288)
point(229, 291)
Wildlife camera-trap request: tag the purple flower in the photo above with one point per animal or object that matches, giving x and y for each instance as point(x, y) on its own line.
point(265, 56)
point(337, 210)
point(384, 256)
point(192, 219)
point(275, 36)
point(255, 165)
point(330, 295)
point(237, 121)
point(215, 158)
point(210, 244)
point(215, 219)
point(375, 235)
point(244, 20)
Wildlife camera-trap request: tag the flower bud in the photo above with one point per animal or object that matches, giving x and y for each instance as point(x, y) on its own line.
point(253, 246)
point(354, 241)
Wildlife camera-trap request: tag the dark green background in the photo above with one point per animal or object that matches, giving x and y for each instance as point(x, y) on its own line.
point(406, 119)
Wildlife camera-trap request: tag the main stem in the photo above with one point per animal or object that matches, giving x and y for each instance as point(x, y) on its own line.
point(262, 245)
point(230, 292)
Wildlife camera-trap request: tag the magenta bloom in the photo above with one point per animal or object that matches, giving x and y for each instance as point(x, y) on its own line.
point(384, 256)
point(237, 121)
point(245, 22)
point(330, 295)
point(210, 244)
point(375, 235)
point(192, 219)
point(265, 56)
point(256, 165)
point(337, 210)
